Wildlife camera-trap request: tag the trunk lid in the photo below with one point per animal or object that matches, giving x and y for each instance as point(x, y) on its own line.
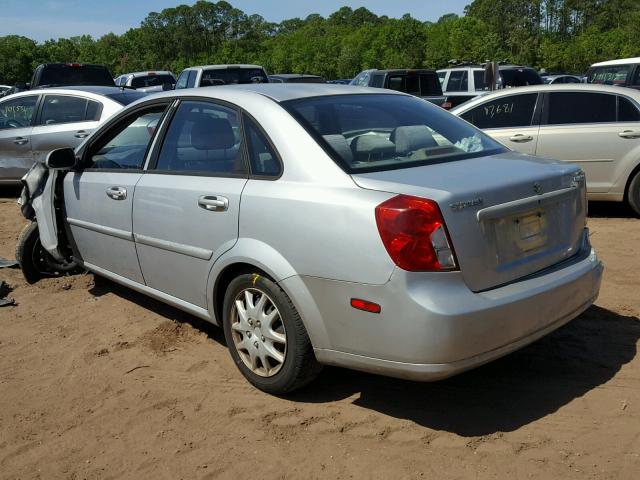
point(508, 215)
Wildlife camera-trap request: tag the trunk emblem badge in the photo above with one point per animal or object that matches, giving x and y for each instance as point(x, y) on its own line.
point(457, 206)
point(537, 188)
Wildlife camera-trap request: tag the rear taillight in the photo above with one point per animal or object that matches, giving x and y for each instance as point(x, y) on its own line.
point(415, 236)
point(447, 105)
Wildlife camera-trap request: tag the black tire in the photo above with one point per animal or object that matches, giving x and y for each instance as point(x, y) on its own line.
point(35, 262)
point(633, 194)
point(300, 365)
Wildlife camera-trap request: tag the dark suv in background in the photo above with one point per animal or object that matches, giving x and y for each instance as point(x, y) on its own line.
point(71, 74)
point(421, 83)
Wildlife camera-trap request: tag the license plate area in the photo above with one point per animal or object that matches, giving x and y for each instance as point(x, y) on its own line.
point(521, 235)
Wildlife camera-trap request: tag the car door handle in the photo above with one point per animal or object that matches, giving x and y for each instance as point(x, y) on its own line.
point(213, 203)
point(81, 134)
point(521, 138)
point(20, 140)
point(117, 193)
point(629, 134)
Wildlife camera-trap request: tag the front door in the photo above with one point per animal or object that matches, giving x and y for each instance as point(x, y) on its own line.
point(509, 119)
point(16, 118)
point(99, 199)
point(582, 128)
point(186, 207)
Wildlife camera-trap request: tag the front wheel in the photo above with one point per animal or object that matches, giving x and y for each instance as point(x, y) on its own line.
point(35, 262)
point(266, 337)
point(633, 195)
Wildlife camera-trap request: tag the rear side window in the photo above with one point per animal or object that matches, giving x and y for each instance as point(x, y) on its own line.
point(504, 112)
point(191, 80)
point(264, 161)
point(430, 85)
point(67, 109)
point(387, 131)
point(519, 77)
point(580, 107)
point(378, 81)
point(458, 81)
point(611, 75)
point(17, 113)
point(627, 111)
point(125, 146)
point(203, 138)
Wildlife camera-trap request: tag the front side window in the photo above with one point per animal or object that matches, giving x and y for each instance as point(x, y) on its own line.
point(441, 77)
point(478, 81)
point(263, 159)
point(126, 145)
point(182, 79)
point(458, 81)
point(519, 77)
point(18, 112)
point(67, 109)
point(203, 138)
point(580, 107)
point(503, 112)
point(611, 75)
point(387, 131)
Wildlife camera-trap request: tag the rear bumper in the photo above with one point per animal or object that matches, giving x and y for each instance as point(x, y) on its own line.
point(432, 326)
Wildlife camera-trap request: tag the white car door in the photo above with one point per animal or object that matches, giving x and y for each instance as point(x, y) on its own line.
point(16, 118)
point(582, 128)
point(99, 196)
point(510, 119)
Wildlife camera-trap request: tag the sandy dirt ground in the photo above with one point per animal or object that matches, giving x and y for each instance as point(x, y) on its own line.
point(97, 381)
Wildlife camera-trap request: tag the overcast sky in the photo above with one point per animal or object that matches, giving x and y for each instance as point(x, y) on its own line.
point(45, 19)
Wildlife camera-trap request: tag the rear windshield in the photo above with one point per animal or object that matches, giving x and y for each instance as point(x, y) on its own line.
point(126, 97)
point(422, 85)
point(385, 131)
point(519, 77)
point(232, 76)
point(151, 81)
point(60, 75)
point(611, 75)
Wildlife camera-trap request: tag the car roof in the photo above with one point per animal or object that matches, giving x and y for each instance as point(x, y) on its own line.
point(110, 93)
point(147, 72)
point(278, 92)
point(574, 87)
point(620, 61)
point(221, 67)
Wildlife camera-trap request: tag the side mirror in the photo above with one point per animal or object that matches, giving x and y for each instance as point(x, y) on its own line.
point(167, 86)
point(61, 159)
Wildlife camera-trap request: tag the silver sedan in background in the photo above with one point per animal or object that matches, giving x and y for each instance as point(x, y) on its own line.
point(33, 123)
point(322, 224)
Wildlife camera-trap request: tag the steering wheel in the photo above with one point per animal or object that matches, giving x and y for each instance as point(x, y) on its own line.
point(13, 123)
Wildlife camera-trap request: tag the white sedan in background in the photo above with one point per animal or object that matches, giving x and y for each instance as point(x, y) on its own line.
point(594, 126)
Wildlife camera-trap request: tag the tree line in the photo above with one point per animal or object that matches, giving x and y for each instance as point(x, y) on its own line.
point(558, 35)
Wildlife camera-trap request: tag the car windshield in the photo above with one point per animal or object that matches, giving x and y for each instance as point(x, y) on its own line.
point(232, 76)
point(519, 77)
point(611, 75)
point(151, 81)
point(385, 131)
point(59, 75)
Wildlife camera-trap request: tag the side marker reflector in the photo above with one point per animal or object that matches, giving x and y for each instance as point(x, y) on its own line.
point(366, 306)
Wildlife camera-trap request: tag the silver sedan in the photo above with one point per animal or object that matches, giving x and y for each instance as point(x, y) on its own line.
point(321, 224)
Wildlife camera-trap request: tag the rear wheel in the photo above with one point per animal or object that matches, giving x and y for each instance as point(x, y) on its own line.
point(633, 194)
point(35, 262)
point(266, 337)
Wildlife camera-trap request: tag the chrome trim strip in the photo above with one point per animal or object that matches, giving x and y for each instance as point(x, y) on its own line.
point(509, 208)
point(112, 232)
point(197, 252)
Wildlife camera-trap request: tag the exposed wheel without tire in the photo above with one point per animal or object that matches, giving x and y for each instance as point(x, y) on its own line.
point(633, 194)
point(35, 262)
point(266, 337)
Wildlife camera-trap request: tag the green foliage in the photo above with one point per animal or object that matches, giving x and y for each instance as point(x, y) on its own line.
point(565, 35)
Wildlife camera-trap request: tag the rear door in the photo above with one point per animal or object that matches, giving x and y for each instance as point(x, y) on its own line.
point(510, 119)
point(16, 119)
point(186, 207)
point(63, 121)
point(99, 198)
point(581, 127)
